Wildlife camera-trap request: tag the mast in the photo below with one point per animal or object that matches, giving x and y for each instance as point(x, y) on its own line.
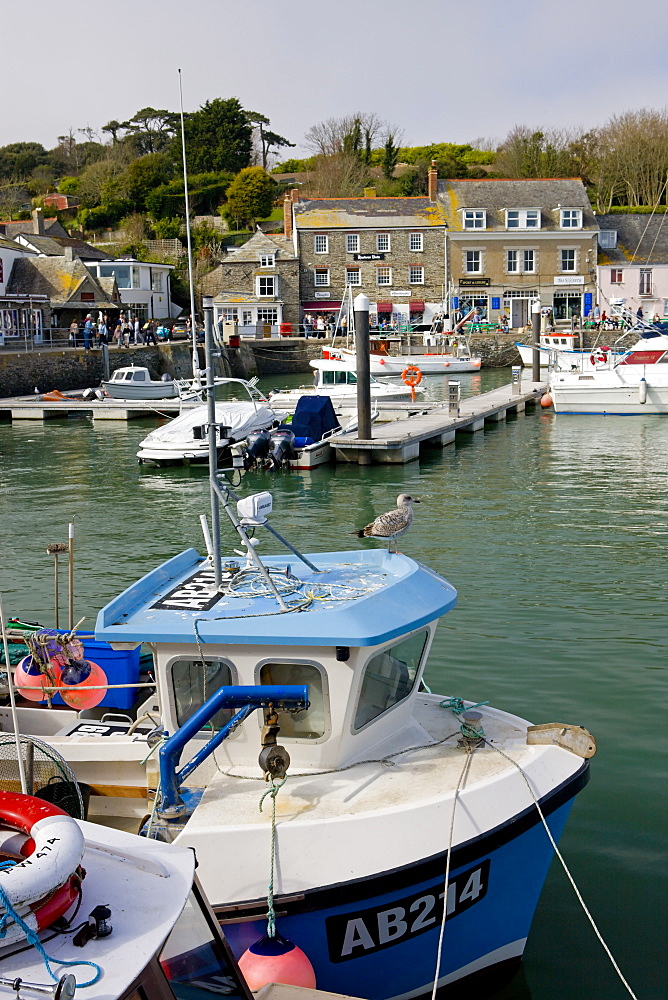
point(197, 375)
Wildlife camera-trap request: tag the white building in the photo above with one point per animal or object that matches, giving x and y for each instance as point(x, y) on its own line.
point(144, 287)
point(633, 263)
point(20, 315)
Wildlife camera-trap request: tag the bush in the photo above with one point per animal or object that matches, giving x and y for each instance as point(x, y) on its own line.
point(168, 229)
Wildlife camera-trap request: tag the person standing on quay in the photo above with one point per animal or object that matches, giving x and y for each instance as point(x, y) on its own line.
point(88, 332)
point(74, 330)
point(137, 331)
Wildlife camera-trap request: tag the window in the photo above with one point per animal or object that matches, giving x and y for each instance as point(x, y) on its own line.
point(228, 315)
point(135, 278)
point(267, 260)
point(567, 260)
point(475, 219)
point(529, 261)
point(308, 725)
point(88, 296)
point(119, 271)
point(383, 243)
point(415, 242)
point(513, 261)
point(353, 276)
point(388, 678)
point(156, 280)
point(267, 316)
point(607, 239)
point(266, 285)
point(616, 276)
point(473, 261)
point(645, 285)
point(352, 243)
point(321, 244)
point(194, 681)
point(415, 275)
point(523, 218)
point(383, 275)
point(321, 276)
point(571, 218)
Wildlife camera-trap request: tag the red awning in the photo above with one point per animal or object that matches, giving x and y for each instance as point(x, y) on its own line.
point(417, 307)
point(384, 307)
point(320, 304)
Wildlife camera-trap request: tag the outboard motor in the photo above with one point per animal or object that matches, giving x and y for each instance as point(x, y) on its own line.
point(166, 377)
point(257, 448)
point(282, 446)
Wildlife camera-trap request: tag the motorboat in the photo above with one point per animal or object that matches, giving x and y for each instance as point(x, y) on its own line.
point(135, 382)
point(634, 383)
point(558, 350)
point(303, 443)
point(410, 829)
point(448, 360)
point(185, 439)
point(339, 382)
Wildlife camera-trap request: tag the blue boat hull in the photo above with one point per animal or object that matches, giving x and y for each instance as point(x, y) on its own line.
point(378, 937)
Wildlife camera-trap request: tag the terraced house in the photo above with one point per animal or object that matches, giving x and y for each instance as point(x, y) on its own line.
point(513, 241)
point(392, 249)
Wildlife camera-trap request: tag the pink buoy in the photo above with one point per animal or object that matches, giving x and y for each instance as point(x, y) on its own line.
point(30, 681)
point(82, 684)
point(276, 960)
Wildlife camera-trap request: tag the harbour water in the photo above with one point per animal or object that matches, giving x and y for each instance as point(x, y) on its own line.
point(553, 530)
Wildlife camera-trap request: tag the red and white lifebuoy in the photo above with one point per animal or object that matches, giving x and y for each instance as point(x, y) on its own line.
point(45, 883)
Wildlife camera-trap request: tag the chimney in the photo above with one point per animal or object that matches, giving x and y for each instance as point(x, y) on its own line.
point(287, 216)
point(294, 195)
point(38, 222)
point(432, 181)
point(68, 254)
point(369, 192)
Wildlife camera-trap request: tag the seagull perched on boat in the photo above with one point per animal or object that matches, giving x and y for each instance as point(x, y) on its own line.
point(392, 524)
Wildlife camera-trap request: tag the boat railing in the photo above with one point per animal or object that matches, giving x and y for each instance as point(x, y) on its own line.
point(246, 699)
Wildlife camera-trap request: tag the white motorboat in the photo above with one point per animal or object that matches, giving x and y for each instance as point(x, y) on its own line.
point(558, 350)
point(339, 381)
point(135, 382)
point(381, 363)
point(635, 383)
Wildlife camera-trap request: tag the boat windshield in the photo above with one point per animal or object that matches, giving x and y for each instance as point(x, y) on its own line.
point(338, 378)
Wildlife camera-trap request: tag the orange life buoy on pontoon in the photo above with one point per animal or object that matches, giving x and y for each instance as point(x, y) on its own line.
point(412, 376)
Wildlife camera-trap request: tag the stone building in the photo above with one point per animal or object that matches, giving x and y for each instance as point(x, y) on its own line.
point(65, 285)
point(513, 241)
point(257, 285)
point(392, 249)
point(633, 263)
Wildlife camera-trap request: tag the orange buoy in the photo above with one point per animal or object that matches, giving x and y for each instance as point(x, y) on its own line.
point(31, 680)
point(82, 684)
point(276, 960)
point(546, 400)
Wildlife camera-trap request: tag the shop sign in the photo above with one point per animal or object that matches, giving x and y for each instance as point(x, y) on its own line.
point(323, 295)
point(400, 293)
point(368, 256)
point(569, 279)
point(474, 282)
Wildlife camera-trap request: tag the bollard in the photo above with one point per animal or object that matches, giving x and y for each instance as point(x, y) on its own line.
point(454, 395)
point(517, 379)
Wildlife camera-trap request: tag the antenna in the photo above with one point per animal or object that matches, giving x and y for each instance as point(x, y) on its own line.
point(193, 328)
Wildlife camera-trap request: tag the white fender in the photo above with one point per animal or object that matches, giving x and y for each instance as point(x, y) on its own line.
point(642, 390)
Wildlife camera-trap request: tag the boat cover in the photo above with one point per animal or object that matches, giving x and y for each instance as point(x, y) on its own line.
point(239, 417)
point(313, 417)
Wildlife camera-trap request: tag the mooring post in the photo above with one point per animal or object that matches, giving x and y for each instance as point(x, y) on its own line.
point(535, 325)
point(363, 375)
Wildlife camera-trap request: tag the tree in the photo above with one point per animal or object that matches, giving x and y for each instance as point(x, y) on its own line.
point(149, 129)
point(12, 197)
point(113, 128)
point(266, 137)
point(19, 159)
point(390, 153)
point(144, 175)
point(218, 137)
point(249, 197)
point(345, 134)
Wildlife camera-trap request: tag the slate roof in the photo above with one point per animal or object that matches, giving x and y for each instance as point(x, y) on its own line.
point(641, 239)
point(54, 246)
point(51, 228)
point(495, 196)
point(260, 243)
point(61, 280)
point(8, 244)
point(368, 213)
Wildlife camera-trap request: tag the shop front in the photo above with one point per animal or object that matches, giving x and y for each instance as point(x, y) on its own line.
point(568, 297)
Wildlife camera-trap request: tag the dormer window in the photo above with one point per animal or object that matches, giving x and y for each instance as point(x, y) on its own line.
point(523, 218)
point(571, 218)
point(267, 260)
point(607, 239)
point(475, 218)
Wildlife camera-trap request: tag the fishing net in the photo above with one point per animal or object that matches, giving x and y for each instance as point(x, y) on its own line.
point(48, 776)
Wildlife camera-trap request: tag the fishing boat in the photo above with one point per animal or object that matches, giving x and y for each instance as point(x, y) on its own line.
point(339, 382)
point(631, 384)
point(413, 831)
point(185, 439)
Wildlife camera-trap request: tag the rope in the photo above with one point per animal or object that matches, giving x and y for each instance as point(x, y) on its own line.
point(273, 790)
point(31, 936)
point(457, 706)
point(439, 950)
point(568, 874)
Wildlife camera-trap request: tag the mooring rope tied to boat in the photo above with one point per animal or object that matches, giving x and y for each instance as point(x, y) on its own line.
point(273, 791)
point(567, 871)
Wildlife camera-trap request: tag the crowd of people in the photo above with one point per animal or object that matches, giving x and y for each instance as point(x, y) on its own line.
point(125, 331)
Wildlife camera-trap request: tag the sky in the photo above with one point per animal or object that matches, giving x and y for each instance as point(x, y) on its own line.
point(440, 70)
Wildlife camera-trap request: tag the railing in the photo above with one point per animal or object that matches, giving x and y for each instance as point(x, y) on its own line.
point(247, 699)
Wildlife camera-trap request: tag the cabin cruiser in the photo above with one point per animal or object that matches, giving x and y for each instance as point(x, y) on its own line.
point(447, 359)
point(135, 382)
point(631, 384)
point(339, 382)
point(558, 350)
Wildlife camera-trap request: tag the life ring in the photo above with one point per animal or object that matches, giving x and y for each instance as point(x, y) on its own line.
point(602, 357)
point(46, 880)
point(412, 376)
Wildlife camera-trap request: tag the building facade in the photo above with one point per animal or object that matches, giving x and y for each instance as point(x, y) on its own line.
point(144, 287)
point(392, 249)
point(633, 264)
point(511, 242)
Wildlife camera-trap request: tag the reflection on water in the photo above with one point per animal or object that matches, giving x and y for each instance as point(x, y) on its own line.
point(553, 531)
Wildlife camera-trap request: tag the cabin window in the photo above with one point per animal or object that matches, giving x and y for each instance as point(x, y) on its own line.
point(139, 377)
point(194, 681)
point(389, 677)
point(308, 725)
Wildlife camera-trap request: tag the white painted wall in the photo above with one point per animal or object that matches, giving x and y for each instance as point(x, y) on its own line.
point(656, 303)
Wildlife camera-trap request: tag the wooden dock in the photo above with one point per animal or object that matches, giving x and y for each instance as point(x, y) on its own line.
point(36, 408)
point(434, 425)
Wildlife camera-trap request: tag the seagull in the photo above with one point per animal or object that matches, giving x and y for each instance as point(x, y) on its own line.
point(392, 524)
